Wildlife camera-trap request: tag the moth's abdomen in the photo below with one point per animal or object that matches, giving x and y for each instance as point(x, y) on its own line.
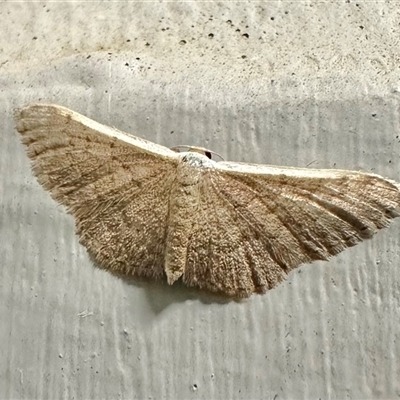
point(184, 202)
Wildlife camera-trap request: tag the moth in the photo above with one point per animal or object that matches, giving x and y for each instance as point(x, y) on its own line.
point(145, 210)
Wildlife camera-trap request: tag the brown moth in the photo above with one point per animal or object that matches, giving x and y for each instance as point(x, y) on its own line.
point(142, 209)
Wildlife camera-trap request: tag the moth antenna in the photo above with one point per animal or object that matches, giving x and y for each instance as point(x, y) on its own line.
point(196, 149)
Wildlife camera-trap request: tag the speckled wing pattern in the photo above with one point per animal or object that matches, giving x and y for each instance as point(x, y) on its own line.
point(143, 210)
point(116, 186)
point(257, 223)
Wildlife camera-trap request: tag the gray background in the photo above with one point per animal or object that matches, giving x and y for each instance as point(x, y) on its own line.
point(313, 84)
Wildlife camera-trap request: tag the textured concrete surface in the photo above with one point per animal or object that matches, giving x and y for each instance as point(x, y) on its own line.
point(299, 83)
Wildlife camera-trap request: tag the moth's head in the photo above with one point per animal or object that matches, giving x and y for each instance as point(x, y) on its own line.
point(196, 159)
point(212, 155)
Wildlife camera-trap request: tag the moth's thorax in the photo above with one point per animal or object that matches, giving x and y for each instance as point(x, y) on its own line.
point(191, 168)
point(197, 160)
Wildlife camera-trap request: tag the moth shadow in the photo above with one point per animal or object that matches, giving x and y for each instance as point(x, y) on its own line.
point(160, 294)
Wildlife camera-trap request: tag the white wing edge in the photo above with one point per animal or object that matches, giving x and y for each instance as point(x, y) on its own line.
point(135, 141)
point(262, 169)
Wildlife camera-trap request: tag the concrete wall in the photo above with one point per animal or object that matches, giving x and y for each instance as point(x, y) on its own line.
point(301, 83)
